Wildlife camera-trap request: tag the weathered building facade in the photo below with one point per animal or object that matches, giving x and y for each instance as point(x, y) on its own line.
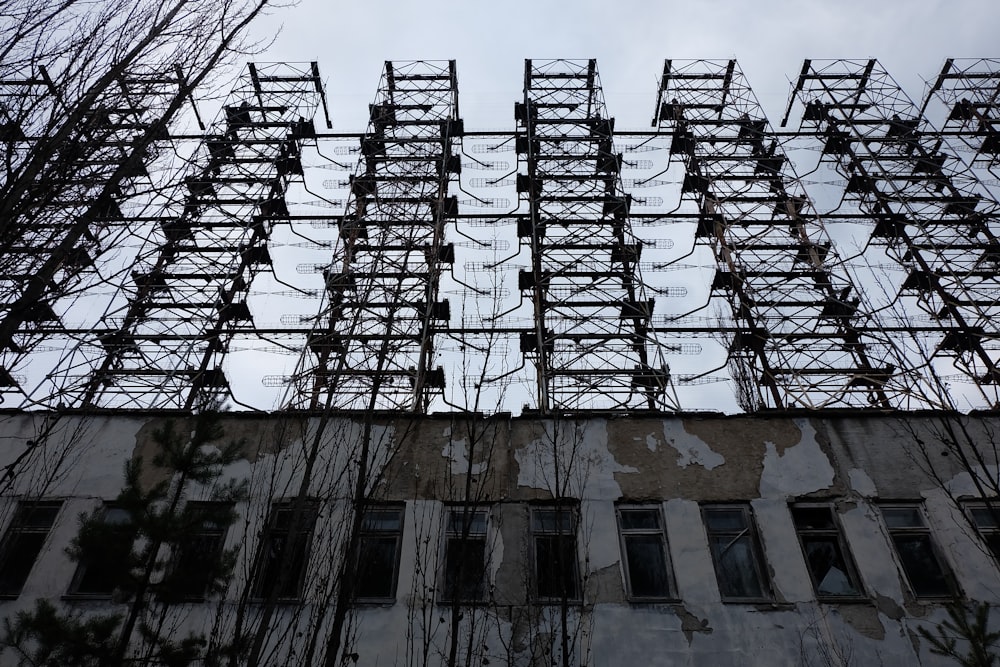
point(700, 539)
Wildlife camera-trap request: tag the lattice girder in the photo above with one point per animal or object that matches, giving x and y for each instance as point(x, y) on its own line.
point(374, 347)
point(932, 215)
point(801, 344)
point(592, 346)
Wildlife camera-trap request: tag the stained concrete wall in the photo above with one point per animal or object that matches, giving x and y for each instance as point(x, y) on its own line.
point(852, 461)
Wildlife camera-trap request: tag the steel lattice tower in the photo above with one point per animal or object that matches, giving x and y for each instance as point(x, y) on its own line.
point(798, 341)
point(374, 344)
point(592, 343)
point(70, 171)
point(931, 214)
point(163, 348)
point(967, 91)
point(136, 259)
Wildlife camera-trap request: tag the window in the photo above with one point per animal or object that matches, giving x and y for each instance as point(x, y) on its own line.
point(284, 554)
point(378, 553)
point(465, 555)
point(735, 549)
point(986, 518)
point(916, 551)
point(104, 545)
point(23, 542)
point(644, 548)
point(826, 556)
point(198, 561)
point(553, 530)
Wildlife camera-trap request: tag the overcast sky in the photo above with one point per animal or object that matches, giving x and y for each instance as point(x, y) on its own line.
point(630, 39)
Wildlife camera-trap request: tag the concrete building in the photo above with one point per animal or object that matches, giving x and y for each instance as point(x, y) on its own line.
point(821, 539)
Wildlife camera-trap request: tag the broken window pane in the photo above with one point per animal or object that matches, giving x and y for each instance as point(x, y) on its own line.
point(647, 571)
point(733, 542)
point(465, 555)
point(826, 556)
point(912, 540)
point(23, 542)
point(378, 553)
point(554, 532)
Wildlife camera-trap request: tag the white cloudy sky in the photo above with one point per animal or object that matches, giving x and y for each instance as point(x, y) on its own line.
point(630, 39)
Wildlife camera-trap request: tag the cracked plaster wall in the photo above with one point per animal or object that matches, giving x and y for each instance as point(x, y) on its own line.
point(676, 463)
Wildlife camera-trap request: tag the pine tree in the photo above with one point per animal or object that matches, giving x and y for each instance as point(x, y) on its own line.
point(147, 556)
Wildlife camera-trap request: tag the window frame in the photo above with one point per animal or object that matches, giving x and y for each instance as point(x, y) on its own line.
point(375, 533)
point(659, 531)
point(81, 573)
point(218, 551)
point(310, 514)
point(20, 526)
point(450, 534)
point(923, 531)
point(989, 535)
point(560, 510)
point(837, 533)
point(755, 551)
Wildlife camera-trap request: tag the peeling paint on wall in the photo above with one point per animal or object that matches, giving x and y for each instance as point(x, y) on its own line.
point(692, 450)
point(798, 470)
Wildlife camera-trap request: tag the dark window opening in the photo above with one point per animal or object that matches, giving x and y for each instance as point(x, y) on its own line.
point(826, 555)
point(465, 556)
point(198, 561)
point(986, 518)
point(732, 539)
point(647, 568)
point(23, 542)
point(378, 553)
point(105, 546)
point(556, 567)
point(284, 553)
point(916, 551)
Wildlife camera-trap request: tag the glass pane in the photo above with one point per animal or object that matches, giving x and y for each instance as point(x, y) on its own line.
point(552, 521)
point(116, 516)
point(19, 556)
point(196, 565)
point(37, 516)
point(465, 569)
point(555, 565)
point(383, 521)
point(921, 565)
point(813, 518)
point(99, 577)
point(828, 567)
point(476, 520)
point(725, 520)
point(993, 542)
point(735, 564)
point(376, 568)
point(636, 519)
point(902, 517)
point(985, 517)
point(647, 566)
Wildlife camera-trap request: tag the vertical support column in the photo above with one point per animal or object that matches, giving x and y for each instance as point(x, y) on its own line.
point(798, 344)
point(592, 344)
point(931, 215)
point(374, 346)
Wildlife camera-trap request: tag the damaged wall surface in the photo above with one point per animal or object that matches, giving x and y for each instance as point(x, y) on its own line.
point(693, 540)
